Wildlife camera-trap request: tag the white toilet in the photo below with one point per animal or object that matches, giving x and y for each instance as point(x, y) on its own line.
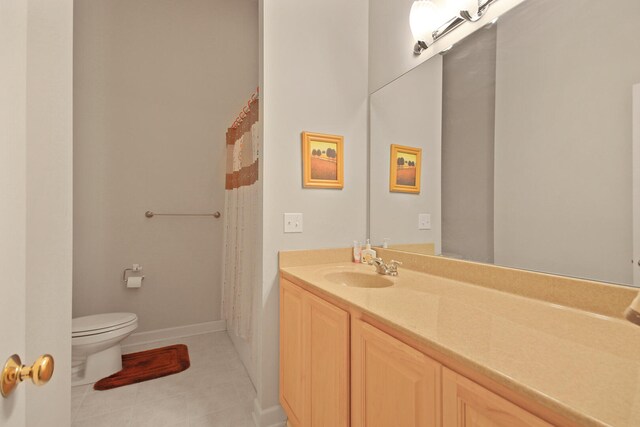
point(95, 345)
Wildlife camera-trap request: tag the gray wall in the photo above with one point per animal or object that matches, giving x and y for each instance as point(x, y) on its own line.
point(407, 112)
point(157, 82)
point(314, 78)
point(468, 112)
point(563, 138)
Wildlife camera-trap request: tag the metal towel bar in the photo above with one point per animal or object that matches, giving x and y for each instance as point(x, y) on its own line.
point(150, 214)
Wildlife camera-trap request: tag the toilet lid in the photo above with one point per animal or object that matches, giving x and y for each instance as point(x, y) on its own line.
point(100, 322)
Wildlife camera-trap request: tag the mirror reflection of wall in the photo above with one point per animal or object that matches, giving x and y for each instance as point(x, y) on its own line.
point(407, 112)
point(468, 104)
point(526, 130)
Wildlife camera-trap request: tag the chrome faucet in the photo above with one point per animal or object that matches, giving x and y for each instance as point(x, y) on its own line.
point(390, 269)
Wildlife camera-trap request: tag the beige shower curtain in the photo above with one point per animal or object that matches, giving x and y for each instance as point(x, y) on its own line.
point(242, 204)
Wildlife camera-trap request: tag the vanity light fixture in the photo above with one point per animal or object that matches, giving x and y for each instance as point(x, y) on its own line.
point(432, 19)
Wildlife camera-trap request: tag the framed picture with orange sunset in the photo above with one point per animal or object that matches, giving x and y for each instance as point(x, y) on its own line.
point(322, 160)
point(404, 176)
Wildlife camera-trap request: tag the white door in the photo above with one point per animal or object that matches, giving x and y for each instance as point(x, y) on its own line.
point(636, 184)
point(36, 65)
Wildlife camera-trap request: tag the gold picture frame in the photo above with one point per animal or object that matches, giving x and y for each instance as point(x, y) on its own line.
point(404, 176)
point(322, 160)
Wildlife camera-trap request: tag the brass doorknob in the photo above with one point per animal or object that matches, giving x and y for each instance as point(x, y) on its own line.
point(15, 372)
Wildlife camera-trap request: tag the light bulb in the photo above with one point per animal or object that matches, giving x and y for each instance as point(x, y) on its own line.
point(425, 18)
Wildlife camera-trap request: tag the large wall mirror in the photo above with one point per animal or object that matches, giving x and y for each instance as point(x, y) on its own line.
point(527, 132)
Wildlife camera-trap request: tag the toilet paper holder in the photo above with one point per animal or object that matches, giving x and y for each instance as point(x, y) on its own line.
point(135, 268)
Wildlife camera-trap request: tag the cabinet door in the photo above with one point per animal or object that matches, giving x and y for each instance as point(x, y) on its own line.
point(392, 384)
point(326, 357)
point(291, 352)
point(467, 404)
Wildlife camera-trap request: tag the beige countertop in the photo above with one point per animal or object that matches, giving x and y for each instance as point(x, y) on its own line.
point(582, 365)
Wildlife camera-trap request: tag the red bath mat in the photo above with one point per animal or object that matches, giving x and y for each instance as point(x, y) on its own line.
point(147, 365)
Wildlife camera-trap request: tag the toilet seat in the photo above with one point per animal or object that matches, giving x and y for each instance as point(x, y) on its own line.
point(101, 323)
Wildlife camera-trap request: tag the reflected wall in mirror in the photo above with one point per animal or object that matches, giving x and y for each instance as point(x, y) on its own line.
point(526, 132)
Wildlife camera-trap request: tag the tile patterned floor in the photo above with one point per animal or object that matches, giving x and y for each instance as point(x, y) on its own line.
point(214, 392)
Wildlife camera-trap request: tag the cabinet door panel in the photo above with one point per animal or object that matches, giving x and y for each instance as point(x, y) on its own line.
point(467, 404)
point(327, 359)
point(291, 352)
point(392, 384)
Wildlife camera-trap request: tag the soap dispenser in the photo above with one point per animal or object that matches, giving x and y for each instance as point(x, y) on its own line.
point(367, 253)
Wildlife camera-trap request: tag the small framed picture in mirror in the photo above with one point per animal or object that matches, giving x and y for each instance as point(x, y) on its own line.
point(404, 176)
point(322, 160)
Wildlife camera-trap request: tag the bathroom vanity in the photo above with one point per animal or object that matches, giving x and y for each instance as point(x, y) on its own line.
point(451, 343)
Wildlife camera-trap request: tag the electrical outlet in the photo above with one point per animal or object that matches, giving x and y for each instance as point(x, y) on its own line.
point(424, 221)
point(293, 223)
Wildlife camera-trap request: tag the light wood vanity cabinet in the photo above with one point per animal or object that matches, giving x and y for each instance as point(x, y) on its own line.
point(467, 404)
point(314, 349)
point(292, 374)
point(392, 383)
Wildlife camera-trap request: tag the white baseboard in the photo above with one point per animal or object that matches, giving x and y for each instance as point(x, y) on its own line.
point(271, 417)
point(172, 333)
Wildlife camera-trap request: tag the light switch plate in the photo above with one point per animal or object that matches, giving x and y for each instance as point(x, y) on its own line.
point(424, 221)
point(293, 223)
